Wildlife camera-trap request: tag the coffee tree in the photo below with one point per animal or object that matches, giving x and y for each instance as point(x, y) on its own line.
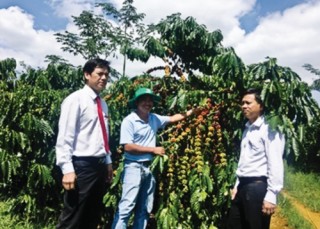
point(30, 108)
point(195, 176)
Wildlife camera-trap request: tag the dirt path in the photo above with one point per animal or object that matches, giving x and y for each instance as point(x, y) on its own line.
point(312, 217)
point(278, 222)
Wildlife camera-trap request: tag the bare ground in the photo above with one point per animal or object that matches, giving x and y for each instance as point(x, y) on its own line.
point(278, 222)
point(312, 217)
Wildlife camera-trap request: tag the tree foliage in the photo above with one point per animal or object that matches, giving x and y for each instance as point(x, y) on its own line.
point(97, 37)
point(194, 180)
point(288, 101)
point(30, 109)
point(185, 41)
point(316, 83)
point(117, 31)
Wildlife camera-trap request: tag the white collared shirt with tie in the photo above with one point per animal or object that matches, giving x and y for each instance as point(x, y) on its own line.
point(80, 132)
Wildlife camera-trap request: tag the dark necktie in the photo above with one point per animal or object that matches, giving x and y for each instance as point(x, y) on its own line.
point(102, 124)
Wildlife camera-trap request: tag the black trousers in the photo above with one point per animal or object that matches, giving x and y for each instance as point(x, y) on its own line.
point(246, 207)
point(83, 205)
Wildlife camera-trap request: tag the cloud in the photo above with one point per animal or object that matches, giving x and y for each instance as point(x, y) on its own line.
point(214, 15)
point(19, 39)
point(14, 23)
point(291, 37)
point(68, 8)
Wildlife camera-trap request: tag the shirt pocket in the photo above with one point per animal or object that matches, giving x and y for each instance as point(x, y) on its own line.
point(256, 145)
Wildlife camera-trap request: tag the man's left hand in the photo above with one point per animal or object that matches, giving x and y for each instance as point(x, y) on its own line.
point(268, 208)
point(109, 173)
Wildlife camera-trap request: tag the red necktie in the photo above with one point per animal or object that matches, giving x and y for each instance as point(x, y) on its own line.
point(102, 124)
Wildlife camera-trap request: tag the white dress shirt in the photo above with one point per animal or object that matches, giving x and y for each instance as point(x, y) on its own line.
point(261, 155)
point(80, 132)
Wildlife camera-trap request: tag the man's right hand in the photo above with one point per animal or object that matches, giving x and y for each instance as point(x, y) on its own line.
point(159, 151)
point(233, 193)
point(69, 180)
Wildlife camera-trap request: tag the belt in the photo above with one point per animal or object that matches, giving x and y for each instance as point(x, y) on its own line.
point(144, 163)
point(95, 160)
point(248, 180)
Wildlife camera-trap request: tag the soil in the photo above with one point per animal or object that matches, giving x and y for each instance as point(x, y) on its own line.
point(312, 217)
point(278, 222)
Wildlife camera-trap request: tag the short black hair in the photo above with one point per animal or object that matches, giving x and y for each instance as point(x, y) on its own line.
point(90, 65)
point(257, 94)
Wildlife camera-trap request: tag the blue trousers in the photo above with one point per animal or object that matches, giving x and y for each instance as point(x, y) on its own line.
point(137, 196)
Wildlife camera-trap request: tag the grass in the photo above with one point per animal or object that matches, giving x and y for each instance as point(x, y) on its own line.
point(9, 221)
point(288, 211)
point(304, 187)
point(6, 221)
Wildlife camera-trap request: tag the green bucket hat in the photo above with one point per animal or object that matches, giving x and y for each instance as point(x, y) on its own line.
point(140, 92)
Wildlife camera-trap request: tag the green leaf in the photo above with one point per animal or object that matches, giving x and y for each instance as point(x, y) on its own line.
point(274, 121)
point(116, 179)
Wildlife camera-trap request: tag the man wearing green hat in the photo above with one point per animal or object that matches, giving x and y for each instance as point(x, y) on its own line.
point(138, 136)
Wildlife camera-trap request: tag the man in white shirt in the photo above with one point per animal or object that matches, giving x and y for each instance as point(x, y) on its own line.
point(82, 149)
point(260, 169)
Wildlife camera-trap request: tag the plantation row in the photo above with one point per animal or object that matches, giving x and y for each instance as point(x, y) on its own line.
point(194, 180)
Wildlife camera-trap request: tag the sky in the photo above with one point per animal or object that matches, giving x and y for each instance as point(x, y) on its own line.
point(288, 30)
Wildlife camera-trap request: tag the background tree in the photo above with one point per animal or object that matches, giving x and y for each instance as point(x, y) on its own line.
point(316, 83)
point(97, 37)
point(114, 32)
point(312, 155)
point(130, 27)
point(30, 108)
